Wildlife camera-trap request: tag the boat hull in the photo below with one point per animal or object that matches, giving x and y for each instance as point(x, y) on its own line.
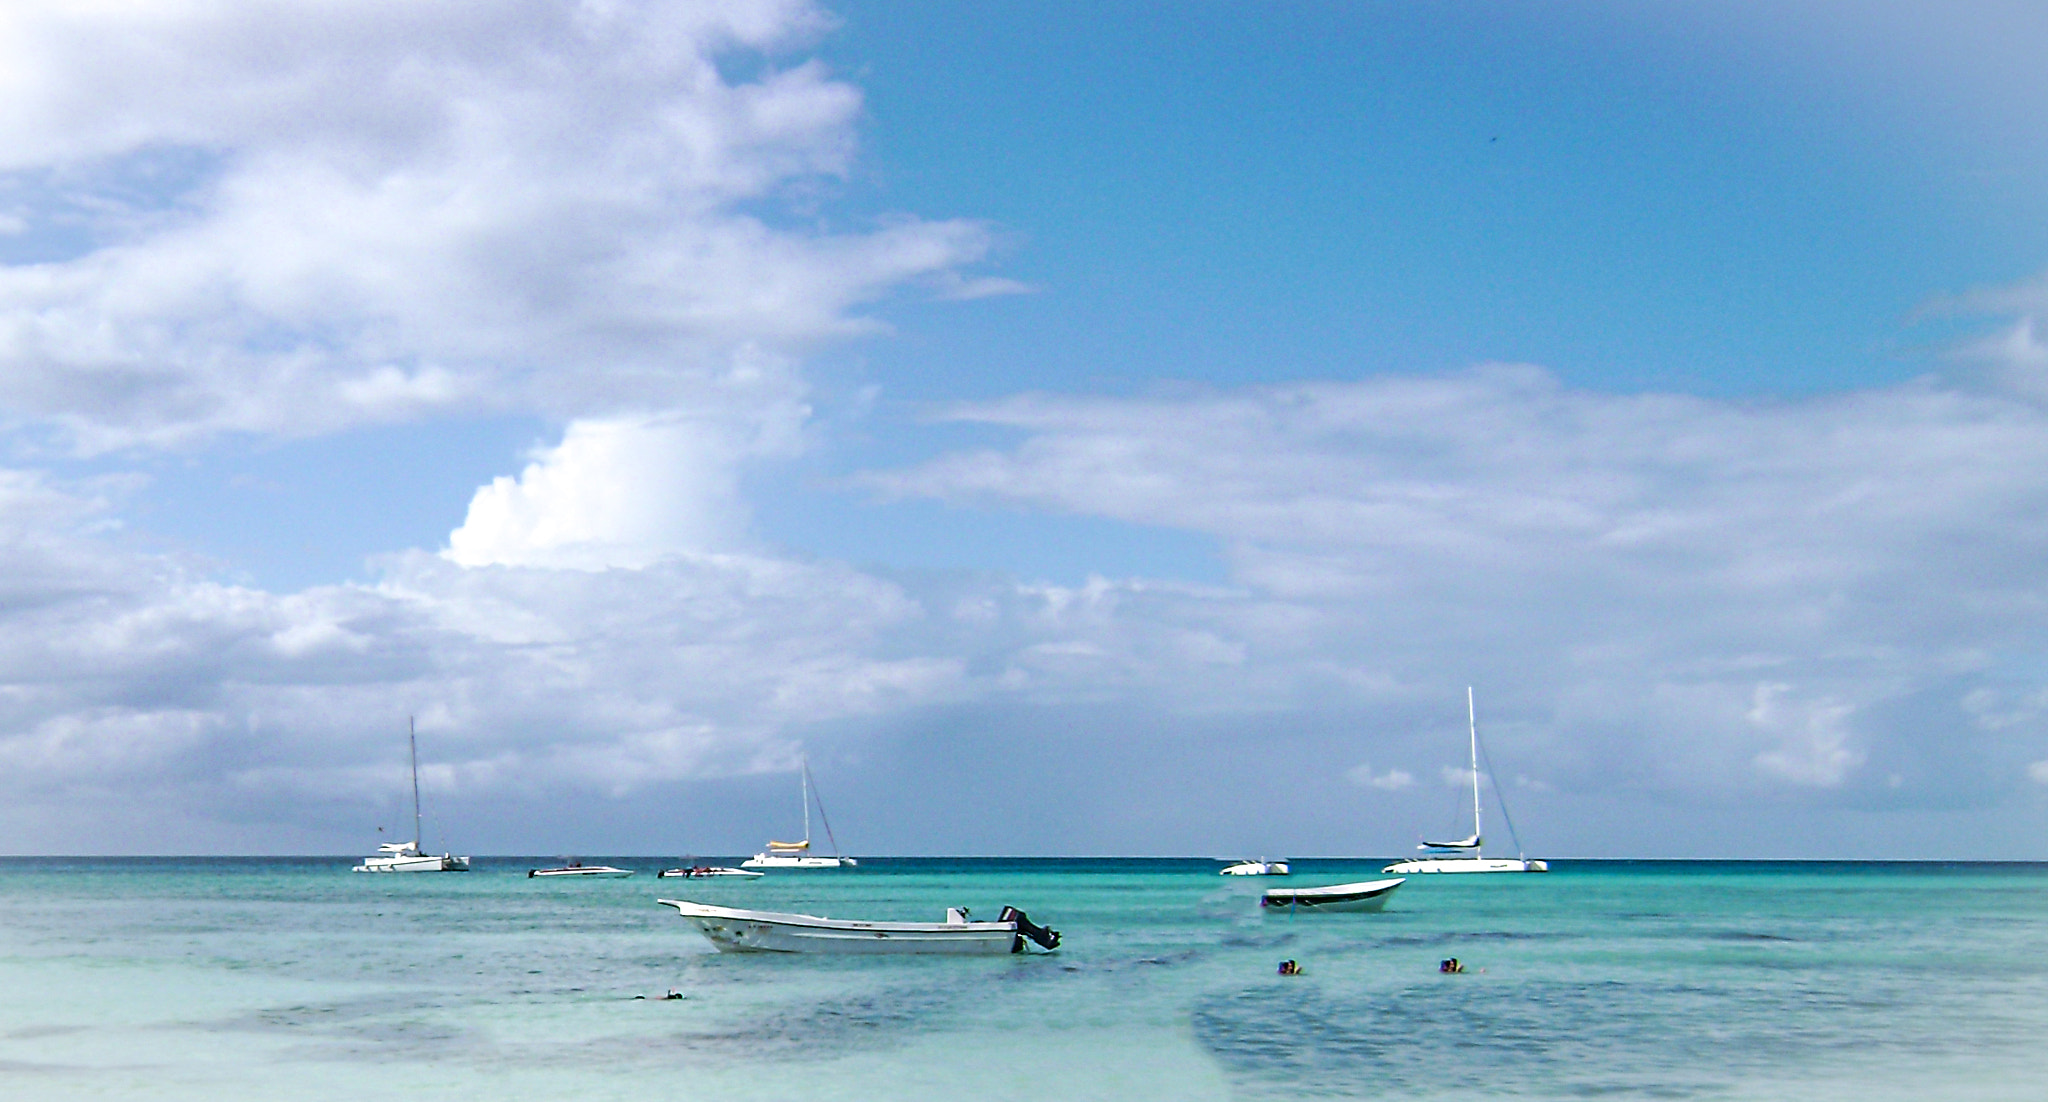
point(1466, 864)
point(1360, 898)
point(417, 863)
point(780, 861)
point(731, 930)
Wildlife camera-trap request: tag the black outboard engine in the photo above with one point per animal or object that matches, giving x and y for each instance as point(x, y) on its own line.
point(1046, 939)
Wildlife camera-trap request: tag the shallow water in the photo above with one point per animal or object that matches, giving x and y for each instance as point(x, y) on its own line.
point(226, 979)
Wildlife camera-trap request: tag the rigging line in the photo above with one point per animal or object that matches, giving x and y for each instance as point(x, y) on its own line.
point(826, 819)
point(1502, 796)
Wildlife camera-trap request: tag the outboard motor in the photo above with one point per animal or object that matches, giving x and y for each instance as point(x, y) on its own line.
point(1046, 939)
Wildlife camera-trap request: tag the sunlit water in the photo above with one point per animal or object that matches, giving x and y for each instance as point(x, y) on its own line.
point(239, 979)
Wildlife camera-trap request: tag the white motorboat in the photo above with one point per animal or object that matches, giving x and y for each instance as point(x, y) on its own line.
point(406, 856)
point(1443, 854)
point(731, 930)
point(798, 855)
point(578, 868)
point(1365, 896)
point(1260, 867)
point(706, 872)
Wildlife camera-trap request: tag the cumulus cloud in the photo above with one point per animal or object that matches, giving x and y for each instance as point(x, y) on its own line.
point(298, 217)
point(290, 218)
point(1813, 746)
point(130, 677)
point(626, 491)
point(124, 674)
point(1666, 593)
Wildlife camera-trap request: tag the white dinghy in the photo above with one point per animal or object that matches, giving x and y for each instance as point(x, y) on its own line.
point(1363, 897)
point(731, 930)
point(1445, 856)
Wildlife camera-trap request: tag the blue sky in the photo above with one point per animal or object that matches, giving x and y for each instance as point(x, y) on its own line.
point(1187, 400)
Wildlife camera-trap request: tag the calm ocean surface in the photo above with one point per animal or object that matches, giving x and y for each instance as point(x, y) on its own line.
point(248, 978)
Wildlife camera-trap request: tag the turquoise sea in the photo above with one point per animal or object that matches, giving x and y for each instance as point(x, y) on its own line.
point(262, 978)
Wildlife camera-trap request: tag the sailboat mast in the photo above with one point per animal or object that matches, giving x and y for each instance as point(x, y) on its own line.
point(807, 805)
point(1472, 721)
point(412, 739)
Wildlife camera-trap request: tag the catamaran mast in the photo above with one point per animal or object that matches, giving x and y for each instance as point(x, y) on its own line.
point(412, 738)
point(1472, 721)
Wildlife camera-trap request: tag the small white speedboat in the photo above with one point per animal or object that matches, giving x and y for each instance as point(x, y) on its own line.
point(578, 868)
point(706, 872)
point(731, 930)
point(1366, 896)
point(1261, 867)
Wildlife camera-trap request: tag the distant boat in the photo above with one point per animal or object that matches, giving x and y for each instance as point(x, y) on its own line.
point(406, 856)
point(705, 872)
point(1366, 896)
point(578, 868)
point(1477, 862)
point(798, 855)
point(736, 931)
point(1260, 867)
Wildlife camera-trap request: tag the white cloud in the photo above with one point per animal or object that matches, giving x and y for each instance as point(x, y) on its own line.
point(1621, 573)
point(308, 216)
point(2038, 771)
point(625, 492)
point(305, 216)
point(1659, 614)
point(1813, 739)
point(1393, 780)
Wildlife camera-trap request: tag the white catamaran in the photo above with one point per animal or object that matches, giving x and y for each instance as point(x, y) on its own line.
point(798, 855)
point(406, 856)
point(1441, 859)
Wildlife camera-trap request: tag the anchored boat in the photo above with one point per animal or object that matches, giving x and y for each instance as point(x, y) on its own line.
point(731, 930)
point(578, 868)
point(406, 856)
point(1366, 896)
point(705, 872)
point(1260, 867)
point(1445, 856)
point(798, 855)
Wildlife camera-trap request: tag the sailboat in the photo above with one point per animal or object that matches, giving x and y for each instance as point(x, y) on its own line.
point(798, 855)
point(1440, 859)
point(406, 856)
